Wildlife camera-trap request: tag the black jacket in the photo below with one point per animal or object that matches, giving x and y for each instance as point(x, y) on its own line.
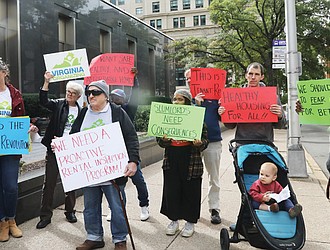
point(60, 112)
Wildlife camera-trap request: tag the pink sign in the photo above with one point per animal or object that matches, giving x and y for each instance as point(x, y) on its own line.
point(248, 104)
point(208, 81)
point(114, 68)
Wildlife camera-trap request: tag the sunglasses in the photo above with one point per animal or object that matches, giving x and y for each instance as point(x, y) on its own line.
point(94, 92)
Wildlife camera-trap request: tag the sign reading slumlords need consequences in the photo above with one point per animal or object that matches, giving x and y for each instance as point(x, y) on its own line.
point(114, 68)
point(14, 137)
point(248, 104)
point(91, 157)
point(180, 122)
point(67, 65)
point(208, 81)
point(315, 98)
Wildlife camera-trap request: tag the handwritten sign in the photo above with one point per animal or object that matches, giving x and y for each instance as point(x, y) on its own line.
point(114, 68)
point(180, 122)
point(91, 157)
point(314, 96)
point(208, 81)
point(14, 137)
point(67, 65)
point(248, 104)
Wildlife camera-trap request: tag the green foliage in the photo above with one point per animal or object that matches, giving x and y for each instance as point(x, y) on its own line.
point(32, 107)
point(142, 118)
point(148, 99)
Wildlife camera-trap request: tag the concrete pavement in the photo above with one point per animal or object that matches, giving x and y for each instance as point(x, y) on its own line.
point(151, 234)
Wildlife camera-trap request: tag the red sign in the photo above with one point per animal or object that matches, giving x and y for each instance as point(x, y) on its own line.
point(248, 104)
point(208, 81)
point(114, 68)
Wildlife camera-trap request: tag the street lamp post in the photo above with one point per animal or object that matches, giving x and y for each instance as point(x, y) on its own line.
point(296, 155)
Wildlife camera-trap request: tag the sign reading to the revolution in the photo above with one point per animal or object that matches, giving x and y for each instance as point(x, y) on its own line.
point(180, 122)
point(91, 157)
point(67, 65)
point(14, 135)
point(208, 81)
point(314, 96)
point(114, 68)
point(248, 104)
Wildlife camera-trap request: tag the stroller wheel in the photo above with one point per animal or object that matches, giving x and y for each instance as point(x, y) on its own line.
point(224, 239)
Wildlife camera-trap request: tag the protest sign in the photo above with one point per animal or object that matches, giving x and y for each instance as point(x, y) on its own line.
point(208, 81)
point(91, 157)
point(114, 68)
point(180, 122)
point(248, 105)
point(14, 135)
point(67, 65)
point(314, 96)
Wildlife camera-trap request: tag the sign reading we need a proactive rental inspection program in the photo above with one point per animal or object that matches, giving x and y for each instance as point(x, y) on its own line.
point(179, 122)
point(90, 157)
point(314, 96)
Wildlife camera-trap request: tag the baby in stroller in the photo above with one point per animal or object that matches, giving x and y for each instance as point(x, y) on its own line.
point(262, 189)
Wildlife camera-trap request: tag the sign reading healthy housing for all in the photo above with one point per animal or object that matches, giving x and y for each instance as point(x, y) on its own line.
point(314, 96)
point(91, 157)
point(179, 122)
point(67, 65)
point(14, 137)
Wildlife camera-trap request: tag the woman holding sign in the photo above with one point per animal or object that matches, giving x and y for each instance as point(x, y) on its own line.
point(182, 170)
point(12, 105)
point(98, 113)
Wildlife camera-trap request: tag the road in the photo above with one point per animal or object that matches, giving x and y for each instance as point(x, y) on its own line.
point(316, 140)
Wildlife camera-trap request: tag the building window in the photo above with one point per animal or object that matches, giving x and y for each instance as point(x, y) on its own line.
point(66, 33)
point(174, 5)
point(139, 11)
point(196, 20)
point(186, 4)
point(121, 2)
point(199, 4)
point(203, 20)
point(113, 2)
point(153, 23)
point(105, 41)
point(182, 22)
point(175, 22)
point(138, 1)
point(159, 23)
point(155, 7)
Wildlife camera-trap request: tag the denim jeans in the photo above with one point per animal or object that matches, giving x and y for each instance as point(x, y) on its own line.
point(93, 212)
point(9, 166)
point(141, 187)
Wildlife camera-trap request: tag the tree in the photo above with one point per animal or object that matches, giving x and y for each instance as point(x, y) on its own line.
point(247, 30)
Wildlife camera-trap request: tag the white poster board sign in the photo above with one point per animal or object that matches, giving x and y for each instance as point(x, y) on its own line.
point(67, 65)
point(91, 157)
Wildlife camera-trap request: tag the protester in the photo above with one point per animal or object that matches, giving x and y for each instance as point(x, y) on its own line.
point(99, 109)
point(9, 164)
point(182, 173)
point(262, 189)
point(64, 112)
point(212, 154)
point(118, 96)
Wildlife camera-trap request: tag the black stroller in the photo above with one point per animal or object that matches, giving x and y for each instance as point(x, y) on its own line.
point(260, 228)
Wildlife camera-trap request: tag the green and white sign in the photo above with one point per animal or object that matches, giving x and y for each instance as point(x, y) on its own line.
point(314, 96)
point(179, 122)
point(66, 65)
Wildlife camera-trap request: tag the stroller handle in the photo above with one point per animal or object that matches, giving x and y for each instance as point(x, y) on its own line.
point(248, 141)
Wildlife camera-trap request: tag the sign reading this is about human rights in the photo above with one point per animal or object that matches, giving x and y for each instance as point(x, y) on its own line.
point(179, 122)
point(67, 65)
point(314, 96)
point(14, 137)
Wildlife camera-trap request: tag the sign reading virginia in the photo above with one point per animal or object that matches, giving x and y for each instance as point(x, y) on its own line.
point(67, 65)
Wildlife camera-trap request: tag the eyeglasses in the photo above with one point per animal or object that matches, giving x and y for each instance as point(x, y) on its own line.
point(94, 92)
point(71, 92)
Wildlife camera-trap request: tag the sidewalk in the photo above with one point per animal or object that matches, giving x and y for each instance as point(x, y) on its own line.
point(151, 234)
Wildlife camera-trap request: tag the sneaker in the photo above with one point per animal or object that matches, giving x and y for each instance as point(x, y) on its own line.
point(188, 229)
point(172, 228)
point(274, 207)
point(295, 211)
point(144, 213)
point(109, 217)
point(215, 217)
